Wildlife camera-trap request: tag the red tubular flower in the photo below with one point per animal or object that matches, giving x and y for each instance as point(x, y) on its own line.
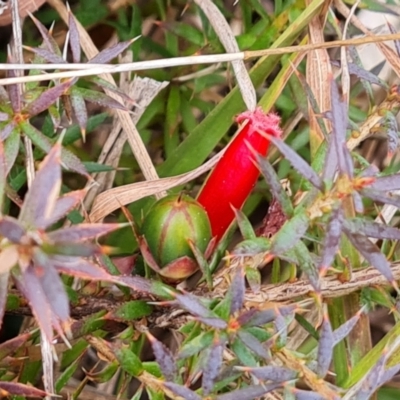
point(233, 178)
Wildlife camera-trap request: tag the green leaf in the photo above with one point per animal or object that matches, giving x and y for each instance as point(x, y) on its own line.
point(129, 361)
point(131, 310)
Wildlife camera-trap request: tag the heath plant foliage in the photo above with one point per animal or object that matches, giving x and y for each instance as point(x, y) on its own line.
point(198, 295)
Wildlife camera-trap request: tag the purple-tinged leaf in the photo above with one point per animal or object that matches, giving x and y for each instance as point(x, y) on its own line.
point(297, 162)
point(262, 317)
point(71, 249)
point(64, 205)
point(6, 130)
point(3, 174)
point(237, 290)
point(332, 239)
point(388, 374)
point(372, 254)
point(20, 389)
point(307, 395)
point(81, 232)
point(253, 344)
point(109, 86)
point(181, 391)
point(47, 98)
point(164, 358)
point(371, 171)
point(80, 268)
point(386, 183)
point(3, 296)
point(29, 285)
point(40, 200)
point(382, 197)
point(48, 39)
point(74, 40)
point(275, 186)
point(107, 55)
point(272, 373)
point(193, 304)
point(325, 346)
point(396, 42)
point(216, 323)
point(137, 283)
point(14, 92)
point(47, 55)
point(52, 285)
point(372, 229)
point(69, 160)
point(249, 393)
point(79, 106)
point(212, 365)
point(290, 233)
point(4, 117)
point(343, 331)
point(392, 129)
point(339, 127)
point(10, 346)
point(361, 73)
point(11, 150)
point(358, 202)
point(11, 229)
point(102, 99)
point(331, 161)
point(373, 378)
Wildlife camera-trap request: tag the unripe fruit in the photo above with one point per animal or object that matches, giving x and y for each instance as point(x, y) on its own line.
point(169, 226)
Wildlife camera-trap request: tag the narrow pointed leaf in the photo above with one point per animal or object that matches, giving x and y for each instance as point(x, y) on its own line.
point(182, 391)
point(358, 202)
point(343, 331)
point(47, 55)
point(100, 98)
point(40, 200)
point(249, 393)
point(14, 92)
point(74, 39)
point(386, 183)
point(3, 295)
point(237, 290)
point(372, 254)
point(372, 229)
point(11, 150)
point(273, 373)
point(274, 184)
point(325, 347)
point(30, 287)
point(79, 106)
point(307, 265)
point(107, 85)
point(216, 323)
point(47, 98)
point(164, 358)
point(388, 374)
point(253, 344)
point(363, 74)
point(290, 233)
point(3, 174)
point(20, 389)
point(52, 286)
point(107, 55)
point(212, 366)
point(297, 162)
point(68, 159)
point(332, 238)
point(11, 229)
point(339, 127)
point(382, 197)
point(245, 227)
point(81, 232)
point(392, 132)
point(6, 130)
point(307, 395)
point(64, 204)
point(81, 268)
point(252, 247)
point(4, 117)
point(193, 304)
point(48, 40)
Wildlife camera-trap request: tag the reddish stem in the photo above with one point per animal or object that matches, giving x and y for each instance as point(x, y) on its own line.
point(233, 178)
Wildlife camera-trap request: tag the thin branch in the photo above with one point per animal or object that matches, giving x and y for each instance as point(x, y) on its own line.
point(96, 69)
